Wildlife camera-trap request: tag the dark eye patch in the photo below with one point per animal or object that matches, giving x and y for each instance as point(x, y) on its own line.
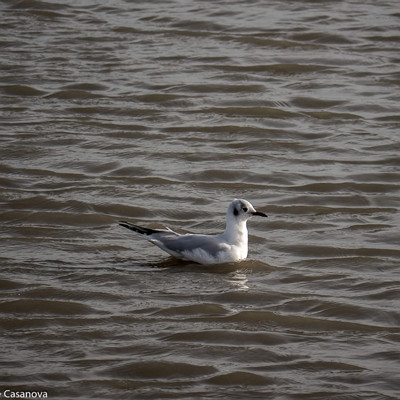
point(235, 212)
point(244, 209)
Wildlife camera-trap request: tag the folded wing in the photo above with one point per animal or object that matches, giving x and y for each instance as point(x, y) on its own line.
point(199, 248)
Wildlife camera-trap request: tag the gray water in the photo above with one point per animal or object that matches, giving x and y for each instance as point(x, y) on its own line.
point(161, 113)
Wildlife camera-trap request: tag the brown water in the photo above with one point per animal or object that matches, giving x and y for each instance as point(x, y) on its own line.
point(161, 113)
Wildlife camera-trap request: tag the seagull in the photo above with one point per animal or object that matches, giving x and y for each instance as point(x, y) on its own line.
point(229, 246)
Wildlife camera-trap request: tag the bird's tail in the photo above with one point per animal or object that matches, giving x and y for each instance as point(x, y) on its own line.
point(137, 229)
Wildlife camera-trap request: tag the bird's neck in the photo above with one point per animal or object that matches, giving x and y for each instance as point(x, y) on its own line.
point(236, 232)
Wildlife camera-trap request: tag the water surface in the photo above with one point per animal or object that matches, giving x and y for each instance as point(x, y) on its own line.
point(161, 114)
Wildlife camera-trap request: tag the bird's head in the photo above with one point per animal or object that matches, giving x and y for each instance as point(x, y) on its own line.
point(242, 210)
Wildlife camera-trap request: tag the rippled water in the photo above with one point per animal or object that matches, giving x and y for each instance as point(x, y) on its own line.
point(161, 113)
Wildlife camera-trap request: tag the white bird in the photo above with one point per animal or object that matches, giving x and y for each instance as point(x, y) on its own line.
point(229, 246)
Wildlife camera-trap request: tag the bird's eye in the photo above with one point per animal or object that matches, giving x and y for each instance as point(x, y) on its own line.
point(244, 209)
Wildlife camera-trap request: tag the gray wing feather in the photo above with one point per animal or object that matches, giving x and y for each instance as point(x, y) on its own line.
point(178, 245)
point(187, 243)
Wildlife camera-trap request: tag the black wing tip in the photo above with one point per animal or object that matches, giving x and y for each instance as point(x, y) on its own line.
point(125, 224)
point(136, 228)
